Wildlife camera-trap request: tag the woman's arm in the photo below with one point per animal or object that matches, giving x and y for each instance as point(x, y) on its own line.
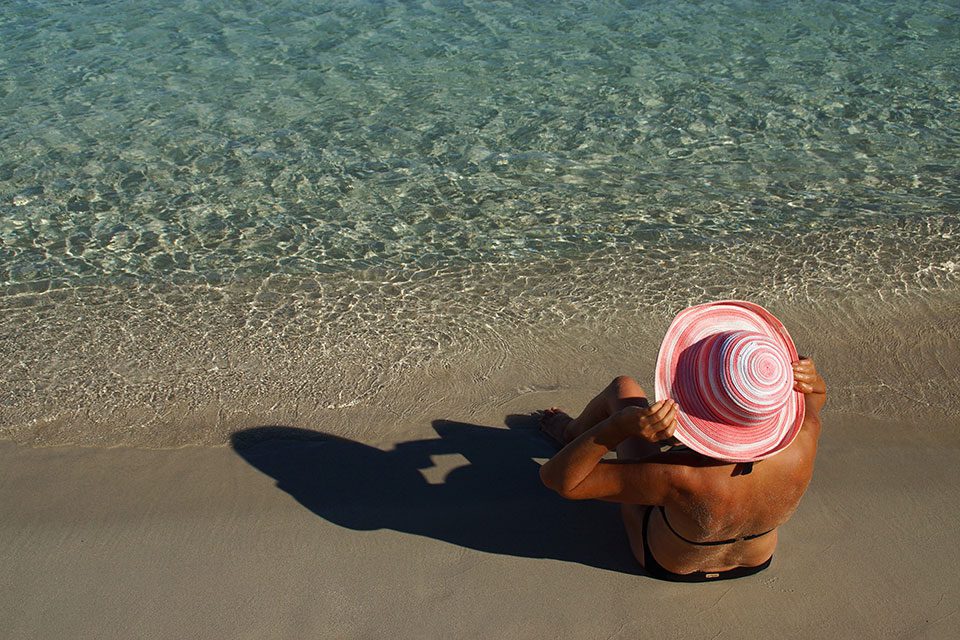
point(568, 471)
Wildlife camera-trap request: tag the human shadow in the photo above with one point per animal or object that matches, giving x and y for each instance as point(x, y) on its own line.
point(494, 503)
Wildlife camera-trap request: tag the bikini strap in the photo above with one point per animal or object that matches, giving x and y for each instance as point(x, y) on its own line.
point(663, 512)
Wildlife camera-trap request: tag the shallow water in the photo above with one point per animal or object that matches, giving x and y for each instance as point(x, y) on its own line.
point(267, 190)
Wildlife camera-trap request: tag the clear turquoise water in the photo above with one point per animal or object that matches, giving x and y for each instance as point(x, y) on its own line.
point(402, 175)
point(211, 140)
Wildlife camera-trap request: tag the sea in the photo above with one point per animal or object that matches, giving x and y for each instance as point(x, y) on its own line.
point(217, 214)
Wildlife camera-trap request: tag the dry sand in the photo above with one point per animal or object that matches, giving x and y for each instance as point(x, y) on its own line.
point(438, 527)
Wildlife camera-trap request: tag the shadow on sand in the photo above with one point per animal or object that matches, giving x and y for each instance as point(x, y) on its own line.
point(494, 502)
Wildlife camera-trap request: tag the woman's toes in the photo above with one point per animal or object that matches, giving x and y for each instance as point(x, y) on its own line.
point(553, 422)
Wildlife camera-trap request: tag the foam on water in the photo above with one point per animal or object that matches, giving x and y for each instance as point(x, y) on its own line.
point(203, 202)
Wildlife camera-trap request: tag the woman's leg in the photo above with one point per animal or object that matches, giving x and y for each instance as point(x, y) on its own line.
point(635, 519)
point(622, 392)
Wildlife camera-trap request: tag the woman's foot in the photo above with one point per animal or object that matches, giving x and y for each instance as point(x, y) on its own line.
point(553, 422)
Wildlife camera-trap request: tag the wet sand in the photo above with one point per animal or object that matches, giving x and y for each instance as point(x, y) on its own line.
point(433, 523)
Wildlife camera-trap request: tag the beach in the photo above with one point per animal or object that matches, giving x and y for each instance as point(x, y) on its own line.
point(435, 524)
point(282, 288)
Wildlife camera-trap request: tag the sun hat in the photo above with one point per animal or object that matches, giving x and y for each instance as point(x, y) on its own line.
point(727, 365)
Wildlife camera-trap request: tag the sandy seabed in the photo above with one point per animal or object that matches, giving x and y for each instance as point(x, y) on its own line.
point(420, 514)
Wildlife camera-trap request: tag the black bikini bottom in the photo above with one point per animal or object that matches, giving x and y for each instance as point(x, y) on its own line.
point(653, 567)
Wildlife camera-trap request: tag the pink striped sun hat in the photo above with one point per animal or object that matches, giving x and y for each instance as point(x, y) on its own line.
point(727, 365)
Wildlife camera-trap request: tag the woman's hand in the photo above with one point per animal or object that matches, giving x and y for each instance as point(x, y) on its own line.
point(653, 424)
point(806, 380)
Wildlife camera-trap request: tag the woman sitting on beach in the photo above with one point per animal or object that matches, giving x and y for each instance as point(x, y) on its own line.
point(734, 392)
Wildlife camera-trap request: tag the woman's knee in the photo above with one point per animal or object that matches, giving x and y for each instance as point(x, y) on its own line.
point(624, 390)
point(621, 383)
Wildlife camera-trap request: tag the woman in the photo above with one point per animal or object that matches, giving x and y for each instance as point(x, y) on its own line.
point(747, 408)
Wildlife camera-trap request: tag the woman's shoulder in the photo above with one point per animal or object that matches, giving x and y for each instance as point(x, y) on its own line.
point(770, 488)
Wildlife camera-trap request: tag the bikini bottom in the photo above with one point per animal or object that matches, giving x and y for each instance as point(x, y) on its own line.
point(653, 567)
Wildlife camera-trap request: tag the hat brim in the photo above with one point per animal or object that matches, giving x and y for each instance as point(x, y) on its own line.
point(731, 443)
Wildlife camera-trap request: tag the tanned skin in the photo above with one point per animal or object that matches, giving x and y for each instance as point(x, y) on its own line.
point(705, 499)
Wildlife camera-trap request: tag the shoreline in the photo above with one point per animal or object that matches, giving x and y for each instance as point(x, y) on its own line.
point(153, 384)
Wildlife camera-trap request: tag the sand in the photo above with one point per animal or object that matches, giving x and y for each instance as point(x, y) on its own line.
point(437, 527)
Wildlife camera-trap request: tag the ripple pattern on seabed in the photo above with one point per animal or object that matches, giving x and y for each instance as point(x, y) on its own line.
point(207, 141)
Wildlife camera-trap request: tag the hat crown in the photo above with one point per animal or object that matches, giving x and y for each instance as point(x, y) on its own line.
point(748, 377)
